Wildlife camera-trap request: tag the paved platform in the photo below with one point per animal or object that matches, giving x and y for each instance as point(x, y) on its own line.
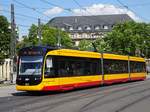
point(7, 90)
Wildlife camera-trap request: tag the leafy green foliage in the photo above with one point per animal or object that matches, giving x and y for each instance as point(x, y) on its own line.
point(25, 42)
point(130, 38)
point(32, 36)
point(4, 38)
point(85, 45)
point(49, 37)
point(101, 45)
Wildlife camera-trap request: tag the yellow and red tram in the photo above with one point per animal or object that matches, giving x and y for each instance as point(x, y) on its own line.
point(52, 69)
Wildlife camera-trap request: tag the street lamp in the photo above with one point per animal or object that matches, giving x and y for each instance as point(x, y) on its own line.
point(58, 38)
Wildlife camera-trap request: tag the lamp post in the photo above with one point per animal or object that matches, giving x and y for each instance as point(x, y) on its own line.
point(58, 39)
point(12, 44)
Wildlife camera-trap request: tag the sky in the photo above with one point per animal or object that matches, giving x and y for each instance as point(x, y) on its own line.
point(27, 12)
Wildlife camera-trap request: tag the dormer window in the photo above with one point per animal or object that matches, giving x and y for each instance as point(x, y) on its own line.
point(70, 28)
point(79, 28)
point(105, 27)
point(97, 27)
point(87, 28)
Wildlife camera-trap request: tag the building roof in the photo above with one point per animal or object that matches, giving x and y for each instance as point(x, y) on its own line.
point(88, 23)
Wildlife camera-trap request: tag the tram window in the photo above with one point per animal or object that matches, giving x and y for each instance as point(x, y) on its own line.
point(137, 67)
point(92, 68)
point(63, 68)
point(87, 68)
point(77, 68)
point(115, 66)
point(49, 69)
point(71, 66)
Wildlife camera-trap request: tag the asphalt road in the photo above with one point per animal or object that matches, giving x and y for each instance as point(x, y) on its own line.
point(127, 97)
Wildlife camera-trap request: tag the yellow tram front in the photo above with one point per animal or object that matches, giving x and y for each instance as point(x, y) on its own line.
point(30, 68)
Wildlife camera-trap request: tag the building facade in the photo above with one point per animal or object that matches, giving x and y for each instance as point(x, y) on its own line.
point(88, 27)
point(6, 74)
point(5, 70)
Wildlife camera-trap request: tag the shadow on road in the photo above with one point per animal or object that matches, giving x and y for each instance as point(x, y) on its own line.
point(38, 93)
point(35, 93)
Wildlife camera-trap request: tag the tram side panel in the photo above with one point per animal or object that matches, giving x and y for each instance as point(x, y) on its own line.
point(115, 68)
point(115, 71)
point(74, 72)
point(138, 70)
point(78, 72)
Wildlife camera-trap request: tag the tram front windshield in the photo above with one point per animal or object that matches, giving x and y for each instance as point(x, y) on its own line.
point(30, 65)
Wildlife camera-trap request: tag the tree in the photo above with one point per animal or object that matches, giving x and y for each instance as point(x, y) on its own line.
point(23, 43)
point(101, 45)
point(130, 38)
point(49, 37)
point(32, 36)
point(85, 45)
point(30, 40)
point(5, 36)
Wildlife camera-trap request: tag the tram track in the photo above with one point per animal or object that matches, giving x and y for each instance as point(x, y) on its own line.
point(87, 106)
point(50, 106)
point(49, 102)
point(132, 103)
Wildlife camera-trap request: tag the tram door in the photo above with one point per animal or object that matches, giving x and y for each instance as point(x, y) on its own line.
point(50, 73)
point(63, 71)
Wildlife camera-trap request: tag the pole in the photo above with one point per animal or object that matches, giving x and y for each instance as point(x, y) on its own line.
point(12, 32)
point(39, 30)
point(58, 39)
point(12, 43)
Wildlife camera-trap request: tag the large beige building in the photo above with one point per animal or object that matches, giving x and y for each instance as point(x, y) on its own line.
point(87, 27)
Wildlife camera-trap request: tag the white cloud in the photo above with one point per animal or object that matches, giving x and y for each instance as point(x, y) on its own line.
point(53, 11)
point(104, 9)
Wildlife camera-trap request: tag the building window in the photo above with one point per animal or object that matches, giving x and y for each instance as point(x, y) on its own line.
point(105, 27)
point(85, 35)
point(97, 27)
point(72, 35)
point(79, 28)
point(70, 28)
point(79, 35)
point(87, 28)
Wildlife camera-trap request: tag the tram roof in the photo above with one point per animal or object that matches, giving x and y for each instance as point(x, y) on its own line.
point(61, 51)
point(74, 53)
